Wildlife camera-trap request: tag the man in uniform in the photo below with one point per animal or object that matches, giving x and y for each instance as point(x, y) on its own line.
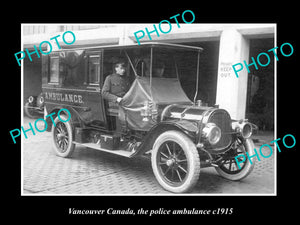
point(115, 87)
point(117, 84)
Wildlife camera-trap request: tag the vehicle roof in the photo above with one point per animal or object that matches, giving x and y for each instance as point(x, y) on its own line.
point(149, 44)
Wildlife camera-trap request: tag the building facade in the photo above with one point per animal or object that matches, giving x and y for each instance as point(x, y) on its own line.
point(251, 95)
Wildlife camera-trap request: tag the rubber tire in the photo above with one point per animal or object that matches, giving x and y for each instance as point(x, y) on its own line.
point(191, 154)
point(249, 147)
point(71, 145)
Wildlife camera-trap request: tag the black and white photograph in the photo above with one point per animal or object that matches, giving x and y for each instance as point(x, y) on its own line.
point(170, 113)
point(129, 109)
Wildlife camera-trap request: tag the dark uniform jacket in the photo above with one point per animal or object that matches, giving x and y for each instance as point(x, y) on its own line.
point(115, 86)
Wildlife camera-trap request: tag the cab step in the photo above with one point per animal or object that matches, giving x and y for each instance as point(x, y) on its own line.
point(120, 152)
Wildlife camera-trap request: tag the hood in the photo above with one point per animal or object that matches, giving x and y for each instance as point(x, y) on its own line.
point(186, 112)
point(204, 115)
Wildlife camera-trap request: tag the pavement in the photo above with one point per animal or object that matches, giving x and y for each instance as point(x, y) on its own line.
point(92, 172)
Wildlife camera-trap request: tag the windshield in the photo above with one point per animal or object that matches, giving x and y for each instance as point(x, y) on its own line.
point(157, 72)
point(166, 62)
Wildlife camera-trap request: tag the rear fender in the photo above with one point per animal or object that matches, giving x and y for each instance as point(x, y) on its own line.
point(75, 117)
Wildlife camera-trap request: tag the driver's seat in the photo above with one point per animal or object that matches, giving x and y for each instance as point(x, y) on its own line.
point(112, 109)
point(116, 117)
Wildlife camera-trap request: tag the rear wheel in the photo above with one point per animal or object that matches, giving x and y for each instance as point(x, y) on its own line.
point(62, 137)
point(175, 162)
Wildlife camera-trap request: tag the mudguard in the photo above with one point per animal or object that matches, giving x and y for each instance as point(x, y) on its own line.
point(190, 128)
point(75, 117)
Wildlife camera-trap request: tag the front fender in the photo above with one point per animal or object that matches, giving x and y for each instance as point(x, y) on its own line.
point(188, 127)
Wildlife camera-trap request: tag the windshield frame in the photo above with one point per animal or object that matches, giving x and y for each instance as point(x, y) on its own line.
point(162, 46)
point(197, 49)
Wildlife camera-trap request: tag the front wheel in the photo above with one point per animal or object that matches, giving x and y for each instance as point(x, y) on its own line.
point(227, 166)
point(175, 162)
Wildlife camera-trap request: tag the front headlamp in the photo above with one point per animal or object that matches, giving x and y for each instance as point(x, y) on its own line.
point(41, 100)
point(212, 133)
point(31, 99)
point(243, 128)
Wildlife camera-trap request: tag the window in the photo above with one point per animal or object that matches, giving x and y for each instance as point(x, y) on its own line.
point(94, 69)
point(72, 68)
point(33, 29)
point(54, 69)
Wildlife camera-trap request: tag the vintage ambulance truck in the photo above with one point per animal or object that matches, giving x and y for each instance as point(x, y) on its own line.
point(155, 116)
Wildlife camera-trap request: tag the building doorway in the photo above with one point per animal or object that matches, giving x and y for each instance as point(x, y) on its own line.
point(260, 91)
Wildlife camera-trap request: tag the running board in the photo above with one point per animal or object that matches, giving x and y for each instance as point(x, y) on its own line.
point(120, 152)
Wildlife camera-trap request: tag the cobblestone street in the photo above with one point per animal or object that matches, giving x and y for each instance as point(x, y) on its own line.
point(93, 172)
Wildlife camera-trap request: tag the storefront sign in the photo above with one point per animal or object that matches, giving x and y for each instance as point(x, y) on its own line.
point(225, 69)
